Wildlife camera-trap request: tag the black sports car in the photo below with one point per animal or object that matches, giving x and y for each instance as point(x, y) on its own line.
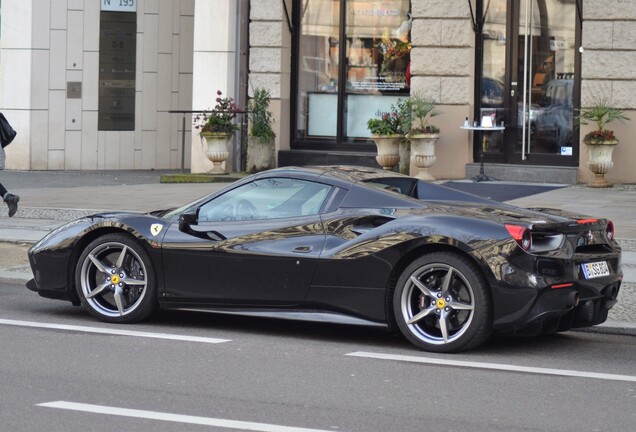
point(445, 267)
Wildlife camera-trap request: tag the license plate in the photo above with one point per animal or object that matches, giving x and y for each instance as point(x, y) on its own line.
point(595, 269)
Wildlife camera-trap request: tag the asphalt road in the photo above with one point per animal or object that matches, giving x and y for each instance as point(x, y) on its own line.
point(264, 374)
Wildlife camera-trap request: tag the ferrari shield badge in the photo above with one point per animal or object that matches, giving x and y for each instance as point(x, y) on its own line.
point(155, 229)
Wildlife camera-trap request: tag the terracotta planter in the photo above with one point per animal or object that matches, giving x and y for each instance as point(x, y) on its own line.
point(388, 150)
point(218, 145)
point(423, 151)
point(599, 161)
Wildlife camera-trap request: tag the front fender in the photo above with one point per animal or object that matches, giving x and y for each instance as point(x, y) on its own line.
point(61, 248)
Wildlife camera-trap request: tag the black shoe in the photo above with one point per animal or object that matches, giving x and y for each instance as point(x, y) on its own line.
point(12, 202)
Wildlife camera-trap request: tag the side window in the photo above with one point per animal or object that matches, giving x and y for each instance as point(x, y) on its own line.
point(272, 198)
point(404, 186)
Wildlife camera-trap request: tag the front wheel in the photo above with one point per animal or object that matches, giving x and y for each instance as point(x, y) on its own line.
point(442, 303)
point(115, 279)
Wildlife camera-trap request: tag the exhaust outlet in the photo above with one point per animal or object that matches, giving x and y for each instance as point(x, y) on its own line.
point(573, 299)
point(610, 292)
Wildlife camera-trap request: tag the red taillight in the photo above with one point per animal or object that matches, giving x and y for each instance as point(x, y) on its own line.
point(609, 230)
point(521, 235)
point(586, 221)
point(565, 285)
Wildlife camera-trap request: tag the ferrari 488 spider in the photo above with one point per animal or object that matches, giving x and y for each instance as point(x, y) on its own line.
point(444, 267)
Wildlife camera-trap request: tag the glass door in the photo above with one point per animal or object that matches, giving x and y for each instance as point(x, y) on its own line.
point(529, 61)
point(544, 78)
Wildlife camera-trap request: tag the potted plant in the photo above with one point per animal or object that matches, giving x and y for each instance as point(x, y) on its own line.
point(217, 126)
point(260, 146)
point(600, 142)
point(422, 134)
point(387, 132)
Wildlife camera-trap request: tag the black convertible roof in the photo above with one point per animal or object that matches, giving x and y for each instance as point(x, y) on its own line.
point(346, 175)
point(336, 173)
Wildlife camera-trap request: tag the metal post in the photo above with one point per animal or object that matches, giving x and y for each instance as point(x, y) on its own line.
point(183, 144)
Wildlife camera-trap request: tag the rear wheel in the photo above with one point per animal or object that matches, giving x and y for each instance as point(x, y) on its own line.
point(115, 279)
point(442, 304)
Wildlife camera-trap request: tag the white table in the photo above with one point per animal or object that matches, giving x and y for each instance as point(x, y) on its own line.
point(482, 176)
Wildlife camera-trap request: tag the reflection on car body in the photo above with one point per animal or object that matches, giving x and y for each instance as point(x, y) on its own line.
point(444, 267)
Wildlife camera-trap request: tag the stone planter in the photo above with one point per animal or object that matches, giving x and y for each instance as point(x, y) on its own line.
point(599, 161)
point(423, 151)
point(260, 154)
point(218, 150)
point(405, 157)
point(388, 150)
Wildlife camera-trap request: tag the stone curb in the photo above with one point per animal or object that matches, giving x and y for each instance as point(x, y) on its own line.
point(612, 328)
point(58, 214)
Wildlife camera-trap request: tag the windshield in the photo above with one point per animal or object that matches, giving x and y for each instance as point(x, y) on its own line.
point(176, 212)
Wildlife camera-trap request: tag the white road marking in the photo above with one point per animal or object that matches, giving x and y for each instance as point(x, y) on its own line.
point(109, 331)
point(494, 366)
point(177, 418)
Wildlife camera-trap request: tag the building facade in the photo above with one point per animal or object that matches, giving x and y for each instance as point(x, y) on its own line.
point(329, 65)
point(89, 88)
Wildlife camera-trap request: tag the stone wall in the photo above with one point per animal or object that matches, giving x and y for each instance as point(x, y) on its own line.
point(270, 61)
point(46, 44)
point(442, 67)
point(609, 57)
point(609, 71)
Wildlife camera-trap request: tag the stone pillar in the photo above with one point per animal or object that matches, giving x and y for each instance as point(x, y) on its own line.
point(213, 65)
point(442, 65)
point(608, 70)
point(270, 61)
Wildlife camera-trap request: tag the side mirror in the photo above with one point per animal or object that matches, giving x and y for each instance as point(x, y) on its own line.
point(186, 220)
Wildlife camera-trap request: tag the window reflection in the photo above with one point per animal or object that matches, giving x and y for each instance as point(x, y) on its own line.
point(376, 70)
point(272, 198)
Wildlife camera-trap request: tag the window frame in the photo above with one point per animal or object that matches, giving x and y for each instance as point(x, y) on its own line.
point(340, 142)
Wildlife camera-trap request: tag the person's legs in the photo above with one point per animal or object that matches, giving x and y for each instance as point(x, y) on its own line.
point(10, 199)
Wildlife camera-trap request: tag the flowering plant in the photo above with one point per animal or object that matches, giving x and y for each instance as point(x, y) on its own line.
point(219, 119)
point(395, 122)
point(599, 136)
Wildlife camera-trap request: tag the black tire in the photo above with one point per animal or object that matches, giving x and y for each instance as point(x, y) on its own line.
point(115, 279)
point(439, 314)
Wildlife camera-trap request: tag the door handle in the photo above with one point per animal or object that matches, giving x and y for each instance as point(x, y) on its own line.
point(303, 249)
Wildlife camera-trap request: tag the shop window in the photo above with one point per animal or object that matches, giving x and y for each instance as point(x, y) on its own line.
point(373, 63)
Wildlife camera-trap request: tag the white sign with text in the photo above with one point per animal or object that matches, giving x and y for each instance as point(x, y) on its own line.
point(119, 5)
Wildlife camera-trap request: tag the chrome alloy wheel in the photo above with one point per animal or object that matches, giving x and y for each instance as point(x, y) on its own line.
point(113, 279)
point(437, 304)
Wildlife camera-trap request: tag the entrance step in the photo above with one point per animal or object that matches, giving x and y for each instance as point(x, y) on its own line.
point(505, 172)
point(525, 173)
point(318, 157)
